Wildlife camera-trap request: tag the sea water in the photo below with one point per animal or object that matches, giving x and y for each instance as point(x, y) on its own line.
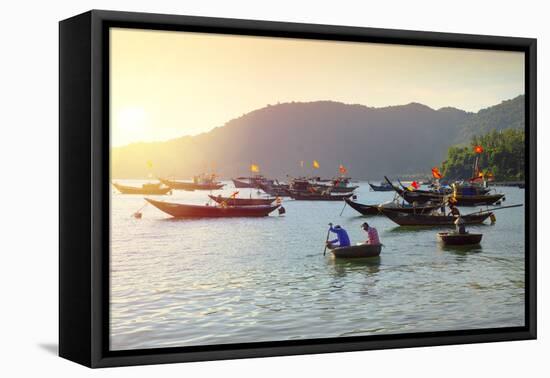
point(185, 282)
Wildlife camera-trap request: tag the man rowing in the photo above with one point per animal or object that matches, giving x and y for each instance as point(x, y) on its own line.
point(342, 237)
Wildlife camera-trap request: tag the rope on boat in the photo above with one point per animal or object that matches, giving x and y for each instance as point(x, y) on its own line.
point(138, 213)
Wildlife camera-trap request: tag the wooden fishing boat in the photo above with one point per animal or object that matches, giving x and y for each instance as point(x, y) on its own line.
point(452, 238)
point(145, 189)
point(275, 190)
point(230, 201)
point(251, 182)
point(308, 196)
point(383, 187)
point(357, 251)
point(404, 219)
point(192, 186)
point(423, 196)
point(307, 184)
point(392, 206)
point(196, 211)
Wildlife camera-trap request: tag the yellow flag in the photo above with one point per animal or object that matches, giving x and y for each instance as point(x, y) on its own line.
point(149, 164)
point(254, 168)
point(316, 164)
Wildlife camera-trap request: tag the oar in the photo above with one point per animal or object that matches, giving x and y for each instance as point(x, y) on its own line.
point(495, 209)
point(326, 241)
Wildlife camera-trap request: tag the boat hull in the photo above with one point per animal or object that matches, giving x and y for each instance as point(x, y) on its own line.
point(195, 211)
point(142, 191)
point(374, 209)
point(191, 186)
point(461, 200)
point(301, 196)
point(403, 219)
point(242, 201)
point(448, 238)
point(357, 251)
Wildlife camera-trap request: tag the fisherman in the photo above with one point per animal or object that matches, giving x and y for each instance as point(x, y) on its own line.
point(372, 234)
point(453, 209)
point(460, 226)
point(341, 237)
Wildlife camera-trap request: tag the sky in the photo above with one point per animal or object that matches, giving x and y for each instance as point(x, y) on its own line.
point(167, 84)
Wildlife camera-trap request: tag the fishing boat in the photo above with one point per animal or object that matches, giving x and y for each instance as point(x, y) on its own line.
point(275, 189)
point(423, 196)
point(197, 211)
point(198, 183)
point(304, 184)
point(392, 206)
point(145, 189)
point(318, 196)
point(357, 251)
point(234, 201)
point(253, 182)
point(383, 187)
point(404, 219)
point(453, 238)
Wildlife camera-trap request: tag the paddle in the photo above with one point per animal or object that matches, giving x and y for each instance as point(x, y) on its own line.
point(326, 241)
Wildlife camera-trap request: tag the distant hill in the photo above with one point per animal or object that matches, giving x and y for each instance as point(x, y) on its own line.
point(370, 142)
point(509, 114)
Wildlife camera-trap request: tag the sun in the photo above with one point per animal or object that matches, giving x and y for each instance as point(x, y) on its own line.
point(129, 124)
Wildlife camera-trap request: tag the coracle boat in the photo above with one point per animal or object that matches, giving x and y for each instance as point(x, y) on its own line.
point(145, 189)
point(453, 238)
point(196, 211)
point(391, 206)
point(308, 196)
point(191, 186)
point(230, 201)
point(404, 219)
point(357, 251)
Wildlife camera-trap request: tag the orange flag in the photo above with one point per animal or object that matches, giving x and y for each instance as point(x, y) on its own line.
point(478, 149)
point(436, 174)
point(254, 168)
point(343, 170)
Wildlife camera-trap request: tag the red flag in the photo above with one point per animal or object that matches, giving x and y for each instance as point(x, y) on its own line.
point(478, 149)
point(415, 185)
point(342, 169)
point(436, 174)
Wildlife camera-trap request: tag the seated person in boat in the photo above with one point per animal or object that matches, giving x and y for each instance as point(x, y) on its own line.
point(460, 226)
point(372, 233)
point(342, 237)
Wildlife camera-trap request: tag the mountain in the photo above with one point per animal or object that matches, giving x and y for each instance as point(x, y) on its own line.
point(370, 142)
point(509, 114)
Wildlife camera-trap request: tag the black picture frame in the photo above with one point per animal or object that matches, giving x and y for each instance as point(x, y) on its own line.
point(84, 187)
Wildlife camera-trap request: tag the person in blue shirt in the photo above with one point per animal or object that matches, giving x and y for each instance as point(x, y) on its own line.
point(341, 237)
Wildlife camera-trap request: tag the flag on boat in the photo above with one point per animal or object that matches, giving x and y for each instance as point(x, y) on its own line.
point(436, 174)
point(149, 164)
point(343, 170)
point(254, 168)
point(478, 149)
point(316, 164)
point(234, 194)
point(414, 185)
point(302, 163)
